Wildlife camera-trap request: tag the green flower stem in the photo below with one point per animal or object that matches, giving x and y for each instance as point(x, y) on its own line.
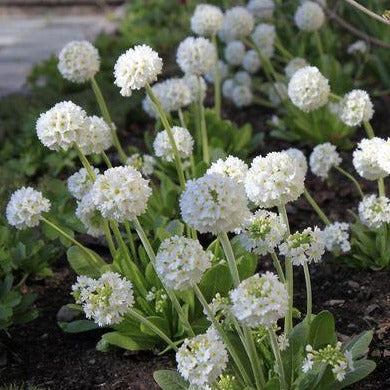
point(263, 102)
point(308, 293)
point(223, 335)
point(283, 50)
point(153, 328)
point(120, 242)
point(106, 159)
point(217, 81)
point(316, 208)
point(381, 187)
point(171, 294)
point(278, 359)
point(106, 116)
point(131, 240)
point(369, 130)
point(334, 96)
point(278, 267)
point(320, 48)
point(283, 213)
point(163, 117)
point(350, 177)
point(85, 163)
point(109, 239)
point(203, 127)
point(182, 118)
point(227, 248)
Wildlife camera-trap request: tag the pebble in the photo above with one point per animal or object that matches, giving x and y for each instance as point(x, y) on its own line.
point(353, 284)
point(335, 302)
point(66, 314)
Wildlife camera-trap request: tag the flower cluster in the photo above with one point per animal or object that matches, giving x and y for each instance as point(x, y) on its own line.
point(374, 211)
point(264, 37)
point(323, 158)
point(294, 65)
point(145, 163)
point(356, 107)
point(95, 137)
point(309, 16)
point(299, 158)
point(336, 237)
point(234, 53)
point(238, 24)
point(90, 217)
point(261, 9)
point(80, 183)
point(251, 61)
point(358, 47)
point(206, 20)
point(231, 166)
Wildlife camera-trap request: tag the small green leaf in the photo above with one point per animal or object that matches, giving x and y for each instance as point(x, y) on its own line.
point(170, 380)
point(78, 326)
point(83, 264)
point(322, 330)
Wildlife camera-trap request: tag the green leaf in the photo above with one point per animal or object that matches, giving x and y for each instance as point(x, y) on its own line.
point(322, 330)
point(170, 380)
point(130, 343)
point(216, 279)
point(358, 346)
point(160, 323)
point(78, 326)
point(83, 264)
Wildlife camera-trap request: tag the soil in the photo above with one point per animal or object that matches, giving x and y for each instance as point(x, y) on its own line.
point(40, 354)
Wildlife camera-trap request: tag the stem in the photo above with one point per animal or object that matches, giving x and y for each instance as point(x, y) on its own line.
point(203, 128)
point(381, 187)
point(109, 239)
point(217, 81)
point(278, 267)
point(350, 177)
point(85, 163)
point(106, 159)
point(316, 208)
point(368, 12)
point(278, 358)
point(369, 130)
point(182, 119)
point(283, 213)
point(308, 292)
point(227, 248)
point(320, 49)
point(131, 240)
point(106, 116)
point(283, 50)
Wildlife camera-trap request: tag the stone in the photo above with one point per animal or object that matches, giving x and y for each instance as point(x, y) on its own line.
point(66, 314)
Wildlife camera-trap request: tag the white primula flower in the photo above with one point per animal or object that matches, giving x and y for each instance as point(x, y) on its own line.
point(136, 68)
point(90, 217)
point(356, 107)
point(259, 300)
point(196, 55)
point(298, 158)
point(251, 62)
point(95, 137)
point(214, 203)
point(243, 78)
point(206, 20)
point(145, 163)
point(358, 47)
point(323, 158)
point(184, 143)
point(242, 96)
point(274, 180)
point(309, 16)
point(223, 72)
point(235, 52)
point(262, 232)
point(374, 211)
point(81, 183)
point(25, 207)
point(283, 342)
point(337, 237)
point(261, 9)
point(105, 300)
point(59, 127)
point(202, 359)
point(121, 193)
point(78, 61)
point(227, 88)
point(294, 65)
point(264, 37)
point(304, 247)
point(181, 262)
point(197, 87)
point(231, 166)
point(308, 89)
point(238, 24)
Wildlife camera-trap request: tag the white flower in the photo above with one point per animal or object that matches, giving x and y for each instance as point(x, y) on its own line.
point(298, 158)
point(80, 183)
point(259, 300)
point(251, 62)
point(274, 180)
point(196, 55)
point(181, 262)
point(197, 86)
point(202, 359)
point(356, 107)
point(78, 61)
point(231, 166)
point(277, 93)
point(358, 47)
point(214, 203)
point(309, 16)
point(307, 363)
point(336, 237)
point(238, 23)
point(340, 370)
point(223, 72)
point(121, 193)
point(235, 52)
point(227, 88)
point(308, 89)
point(323, 158)
point(25, 207)
point(304, 247)
point(183, 139)
point(294, 65)
point(95, 137)
point(105, 300)
point(283, 342)
point(136, 68)
point(90, 217)
point(262, 232)
point(243, 78)
point(264, 37)
point(384, 157)
point(206, 20)
point(261, 9)
point(374, 211)
point(59, 127)
point(242, 96)
point(367, 160)
point(145, 163)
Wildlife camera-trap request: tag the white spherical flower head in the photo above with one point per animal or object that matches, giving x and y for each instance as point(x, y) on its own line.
point(80, 183)
point(196, 55)
point(337, 237)
point(136, 68)
point(259, 300)
point(251, 62)
point(202, 359)
point(304, 247)
point(223, 72)
point(214, 203)
point(274, 180)
point(242, 96)
point(309, 16)
point(121, 193)
point(145, 164)
point(298, 158)
point(181, 262)
point(262, 232)
point(105, 300)
point(277, 93)
point(374, 211)
point(323, 158)
point(206, 20)
point(356, 107)
point(25, 208)
point(238, 23)
point(90, 217)
point(294, 65)
point(368, 158)
point(95, 137)
point(59, 127)
point(231, 166)
point(184, 143)
point(78, 61)
point(243, 78)
point(358, 47)
point(261, 9)
point(227, 88)
point(308, 89)
point(264, 37)
point(197, 87)
point(235, 52)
